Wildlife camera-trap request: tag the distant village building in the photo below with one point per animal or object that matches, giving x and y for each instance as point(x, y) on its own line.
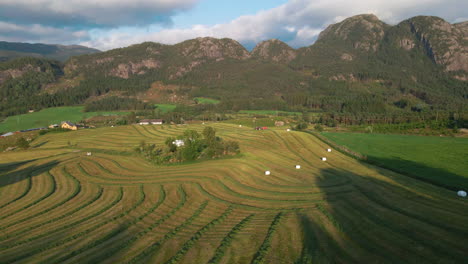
point(69, 125)
point(261, 128)
point(279, 123)
point(54, 126)
point(178, 142)
point(7, 134)
point(151, 122)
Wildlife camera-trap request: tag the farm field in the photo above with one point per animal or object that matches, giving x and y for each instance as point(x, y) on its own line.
point(205, 100)
point(441, 160)
point(165, 107)
point(49, 116)
point(59, 205)
point(268, 112)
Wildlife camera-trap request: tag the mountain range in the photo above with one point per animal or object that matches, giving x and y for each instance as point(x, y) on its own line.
point(13, 50)
point(360, 65)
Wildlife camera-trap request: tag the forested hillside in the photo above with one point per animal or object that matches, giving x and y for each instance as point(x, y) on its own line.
point(360, 68)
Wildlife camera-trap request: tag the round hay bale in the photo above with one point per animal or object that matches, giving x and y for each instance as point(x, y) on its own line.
point(298, 166)
point(461, 193)
point(329, 150)
point(267, 172)
point(288, 129)
point(324, 159)
point(240, 125)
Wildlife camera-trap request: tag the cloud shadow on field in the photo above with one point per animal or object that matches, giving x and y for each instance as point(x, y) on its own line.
point(435, 176)
point(11, 176)
point(402, 220)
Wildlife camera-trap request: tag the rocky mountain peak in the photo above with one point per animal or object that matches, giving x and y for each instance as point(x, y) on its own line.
point(274, 50)
point(362, 32)
point(213, 48)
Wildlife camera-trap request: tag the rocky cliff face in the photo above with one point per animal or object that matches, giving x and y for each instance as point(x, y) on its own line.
point(274, 50)
point(446, 44)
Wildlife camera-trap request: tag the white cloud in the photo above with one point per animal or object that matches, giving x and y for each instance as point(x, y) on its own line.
point(297, 22)
point(86, 13)
point(39, 33)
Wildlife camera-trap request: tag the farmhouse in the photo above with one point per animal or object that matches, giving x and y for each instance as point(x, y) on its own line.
point(151, 121)
point(69, 125)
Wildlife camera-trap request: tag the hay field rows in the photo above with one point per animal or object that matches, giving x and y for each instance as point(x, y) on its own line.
point(59, 205)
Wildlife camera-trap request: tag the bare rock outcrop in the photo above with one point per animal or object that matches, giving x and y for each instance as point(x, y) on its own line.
point(274, 50)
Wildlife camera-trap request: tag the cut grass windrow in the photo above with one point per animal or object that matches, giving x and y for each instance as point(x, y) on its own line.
point(74, 224)
point(49, 193)
point(76, 191)
point(71, 238)
point(106, 237)
point(191, 242)
point(111, 251)
point(152, 249)
point(25, 192)
point(227, 240)
point(266, 245)
point(98, 195)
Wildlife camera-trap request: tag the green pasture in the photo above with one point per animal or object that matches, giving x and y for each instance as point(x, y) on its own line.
point(165, 107)
point(205, 100)
point(439, 159)
point(49, 116)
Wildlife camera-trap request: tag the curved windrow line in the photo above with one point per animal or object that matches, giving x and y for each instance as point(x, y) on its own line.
point(74, 224)
point(94, 199)
point(45, 196)
point(153, 248)
point(26, 191)
point(125, 244)
point(259, 257)
point(73, 195)
point(71, 238)
point(183, 200)
point(234, 181)
point(189, 243)
point(247, 206)
point(227, 240)
point(103, 239)
point(139, 132)
point(205, 178)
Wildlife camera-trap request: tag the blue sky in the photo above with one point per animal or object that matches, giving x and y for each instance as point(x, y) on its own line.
point(108, 24)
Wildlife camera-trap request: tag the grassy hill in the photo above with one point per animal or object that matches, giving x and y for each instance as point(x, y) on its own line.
point(60, 205)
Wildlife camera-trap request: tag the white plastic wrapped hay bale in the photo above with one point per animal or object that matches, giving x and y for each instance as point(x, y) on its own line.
point(324, 159)
point(267, 172)
point(329, 150)
point(298, 167)
point(461, 193)
point(288, 129)
point(240, 125)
